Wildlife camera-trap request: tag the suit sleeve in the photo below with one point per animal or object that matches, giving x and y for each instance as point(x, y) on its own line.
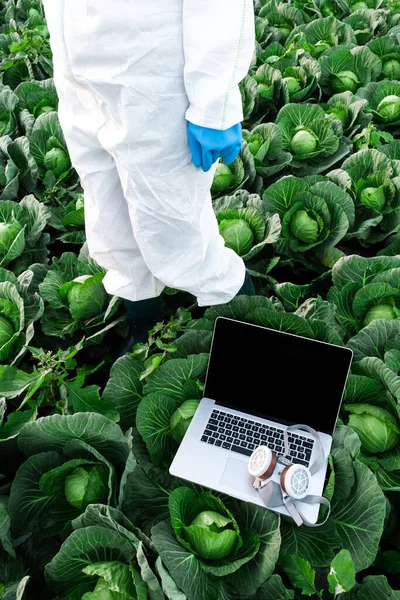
point(219, 39)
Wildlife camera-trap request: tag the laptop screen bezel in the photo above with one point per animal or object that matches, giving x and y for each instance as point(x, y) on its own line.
point(288, 335)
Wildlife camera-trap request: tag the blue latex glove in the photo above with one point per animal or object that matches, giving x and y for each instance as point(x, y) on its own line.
point(208, 145)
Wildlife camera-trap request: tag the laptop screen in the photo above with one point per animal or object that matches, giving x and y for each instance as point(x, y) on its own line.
point(277, 376)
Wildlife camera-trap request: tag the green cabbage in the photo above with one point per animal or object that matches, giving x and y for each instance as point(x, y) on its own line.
point(211, 535)
point(373, 197)
point(380, 311)
point(304, 142)
point(389, 108)
point(223, 178)
point(375, 426)
point(305, 227)
point(86, 297)
point(391, 69)
point(344, 81)
point(293, 85)
point(237, 234)
point(57, 160)
point(86, 486)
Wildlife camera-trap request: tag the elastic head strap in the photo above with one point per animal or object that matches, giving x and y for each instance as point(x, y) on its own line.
point(298, 516)
point(319, 454)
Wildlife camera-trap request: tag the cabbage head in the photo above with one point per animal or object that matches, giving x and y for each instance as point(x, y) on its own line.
point(86, 296)
point(219, 544)
point(372, 293)
point(265, 145)
point(391, 69)
point(316, 214)
point(36, 97)
point(87, 485)
point(348, 68)
point(208, 528)
point(304, 142)
point(373, 197)
point(57, 160)
point(74, 291)
point(211, 535)
point(66, 484)
point(224, 179)
point(315, 142)
point(344, 81)
point(370, 177)
point(376, 427)
point(389, 108)
point(229, 177)
point(383, 101)
point(241, 229)
point(48, 148)
point(306, 226)
point(103, 558)
point(381, 311)
point(348, 109)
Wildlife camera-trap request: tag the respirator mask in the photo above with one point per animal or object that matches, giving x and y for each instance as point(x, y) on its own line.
point(295, 479)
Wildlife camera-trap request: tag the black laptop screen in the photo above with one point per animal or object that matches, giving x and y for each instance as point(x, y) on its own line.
point(278, 376)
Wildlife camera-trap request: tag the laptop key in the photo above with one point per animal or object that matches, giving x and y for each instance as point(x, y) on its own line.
point(226, 446)
point(235, 428)
point(218, 443)
point(213, 422)
point(222, 437)
point(211, 440)
point(301, 456)
point(208, 432)
point(271, 440)
point(251, 447)
point(307, 445)
point(229, 439)
point(257, 436)
point(247, 426)
point(228, 426)
point(249, 439)
point(204, 438)
point(264, 438)
point(221, 430)
point(308, 454)
point(215, 434)
point(212, 427)
point(242, 430)
point(235, 434)
point(241, 450)
point(243, 444)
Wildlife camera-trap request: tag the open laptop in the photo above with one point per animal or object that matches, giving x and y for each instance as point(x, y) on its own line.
point(259, 381)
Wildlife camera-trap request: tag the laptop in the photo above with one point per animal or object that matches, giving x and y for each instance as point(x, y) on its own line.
point(259, 382)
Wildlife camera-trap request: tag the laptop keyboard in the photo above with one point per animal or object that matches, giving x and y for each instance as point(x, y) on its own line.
point(240, 435)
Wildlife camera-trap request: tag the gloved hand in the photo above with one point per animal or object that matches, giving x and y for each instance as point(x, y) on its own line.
point(208, 145)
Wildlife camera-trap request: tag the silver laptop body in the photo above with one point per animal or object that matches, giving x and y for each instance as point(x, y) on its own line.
point(252, 372)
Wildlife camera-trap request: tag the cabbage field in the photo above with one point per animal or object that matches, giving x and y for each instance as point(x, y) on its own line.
point(88, 510)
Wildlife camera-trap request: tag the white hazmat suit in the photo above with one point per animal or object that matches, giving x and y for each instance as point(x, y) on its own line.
point(128, 74)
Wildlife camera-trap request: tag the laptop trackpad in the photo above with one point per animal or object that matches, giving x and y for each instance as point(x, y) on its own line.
point(237, 477)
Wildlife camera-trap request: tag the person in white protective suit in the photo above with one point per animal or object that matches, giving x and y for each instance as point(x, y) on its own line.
point(131, 75)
